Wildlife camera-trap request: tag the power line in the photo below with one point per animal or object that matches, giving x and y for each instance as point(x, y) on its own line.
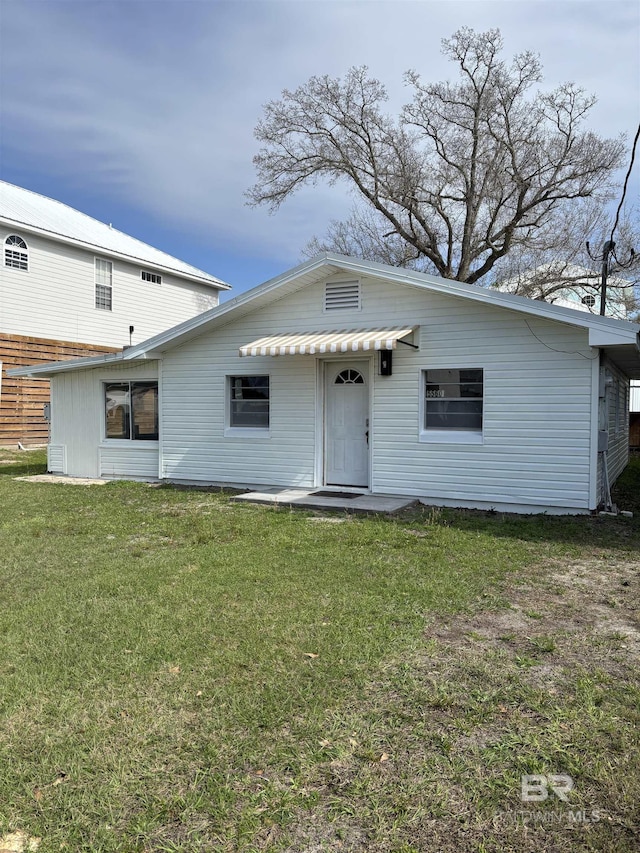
point(626, 181)
point(565, 351)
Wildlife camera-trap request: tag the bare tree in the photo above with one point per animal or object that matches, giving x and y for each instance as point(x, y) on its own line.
point(468, 173)
point(362, 235)
point(558, 266)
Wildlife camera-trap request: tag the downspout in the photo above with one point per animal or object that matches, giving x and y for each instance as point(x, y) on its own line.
point(603, 436)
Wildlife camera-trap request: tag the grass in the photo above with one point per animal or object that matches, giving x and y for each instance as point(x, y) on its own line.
point(181, 673)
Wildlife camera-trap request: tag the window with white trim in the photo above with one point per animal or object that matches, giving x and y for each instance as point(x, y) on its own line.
point(453, 399)
point(104, 284)
point(16, 253)
point(131, 410)
point(249, 402)
point(153, 277)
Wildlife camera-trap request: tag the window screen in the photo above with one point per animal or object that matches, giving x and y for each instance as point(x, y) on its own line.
point(453, 399)
point(249, 403)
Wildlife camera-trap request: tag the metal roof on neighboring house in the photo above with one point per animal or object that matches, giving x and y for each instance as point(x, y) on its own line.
point(28, 210)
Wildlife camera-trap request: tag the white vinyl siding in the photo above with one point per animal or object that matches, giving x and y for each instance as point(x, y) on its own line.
point(125, 463)
point(61, 298)
point(537, 404)
point(197, 443)
point(617, 422)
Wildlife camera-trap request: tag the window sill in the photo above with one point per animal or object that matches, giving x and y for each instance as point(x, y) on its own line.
point(247, 432)
point(445, 436)
point(142, 443)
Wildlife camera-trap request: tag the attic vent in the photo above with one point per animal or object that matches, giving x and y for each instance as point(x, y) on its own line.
point(341, 295)
point(589, 300)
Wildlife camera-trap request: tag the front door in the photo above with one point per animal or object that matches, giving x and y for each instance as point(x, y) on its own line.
point(347, 424)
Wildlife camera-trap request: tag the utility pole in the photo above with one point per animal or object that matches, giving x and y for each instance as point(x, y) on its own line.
point(607, 250)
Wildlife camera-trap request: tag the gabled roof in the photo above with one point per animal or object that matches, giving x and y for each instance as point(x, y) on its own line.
point(620, 336)
point(24, 210)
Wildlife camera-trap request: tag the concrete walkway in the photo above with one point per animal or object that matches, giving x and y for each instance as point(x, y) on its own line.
point(61, 478)
point(275, 496)
point(307, 498)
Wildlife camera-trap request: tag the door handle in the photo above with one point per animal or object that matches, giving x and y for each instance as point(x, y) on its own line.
point(367, 435)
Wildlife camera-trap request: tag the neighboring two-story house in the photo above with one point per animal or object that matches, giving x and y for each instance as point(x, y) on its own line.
point(71, 286)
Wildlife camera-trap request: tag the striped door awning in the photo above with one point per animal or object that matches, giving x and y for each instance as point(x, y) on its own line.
point(337, 340)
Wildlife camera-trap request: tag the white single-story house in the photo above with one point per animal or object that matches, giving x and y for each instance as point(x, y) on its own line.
point(355, 375)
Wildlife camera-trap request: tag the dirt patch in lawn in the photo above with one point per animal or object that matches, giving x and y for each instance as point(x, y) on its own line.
point(569, 606)
point(548, 685)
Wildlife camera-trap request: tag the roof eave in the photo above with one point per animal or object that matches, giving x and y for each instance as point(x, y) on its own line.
point(50, 368)
point(599, 337)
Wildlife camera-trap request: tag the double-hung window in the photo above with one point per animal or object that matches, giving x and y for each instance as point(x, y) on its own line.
point(131, 410)
point(453, 403)
point(104, 284)
point(249, 402)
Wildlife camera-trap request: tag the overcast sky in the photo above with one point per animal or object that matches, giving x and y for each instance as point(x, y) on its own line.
point(141, 112)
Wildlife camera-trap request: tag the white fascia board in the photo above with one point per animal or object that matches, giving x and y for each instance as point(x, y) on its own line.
point(202, 278)
point(150, 356)
point(614, 337)
point(53, 367)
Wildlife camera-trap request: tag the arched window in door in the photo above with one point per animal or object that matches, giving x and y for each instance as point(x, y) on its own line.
point(349, 377)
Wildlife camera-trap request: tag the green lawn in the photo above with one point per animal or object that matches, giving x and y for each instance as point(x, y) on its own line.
point(181, 673)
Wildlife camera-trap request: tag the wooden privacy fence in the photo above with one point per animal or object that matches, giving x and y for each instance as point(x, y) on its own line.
point(22, 400)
